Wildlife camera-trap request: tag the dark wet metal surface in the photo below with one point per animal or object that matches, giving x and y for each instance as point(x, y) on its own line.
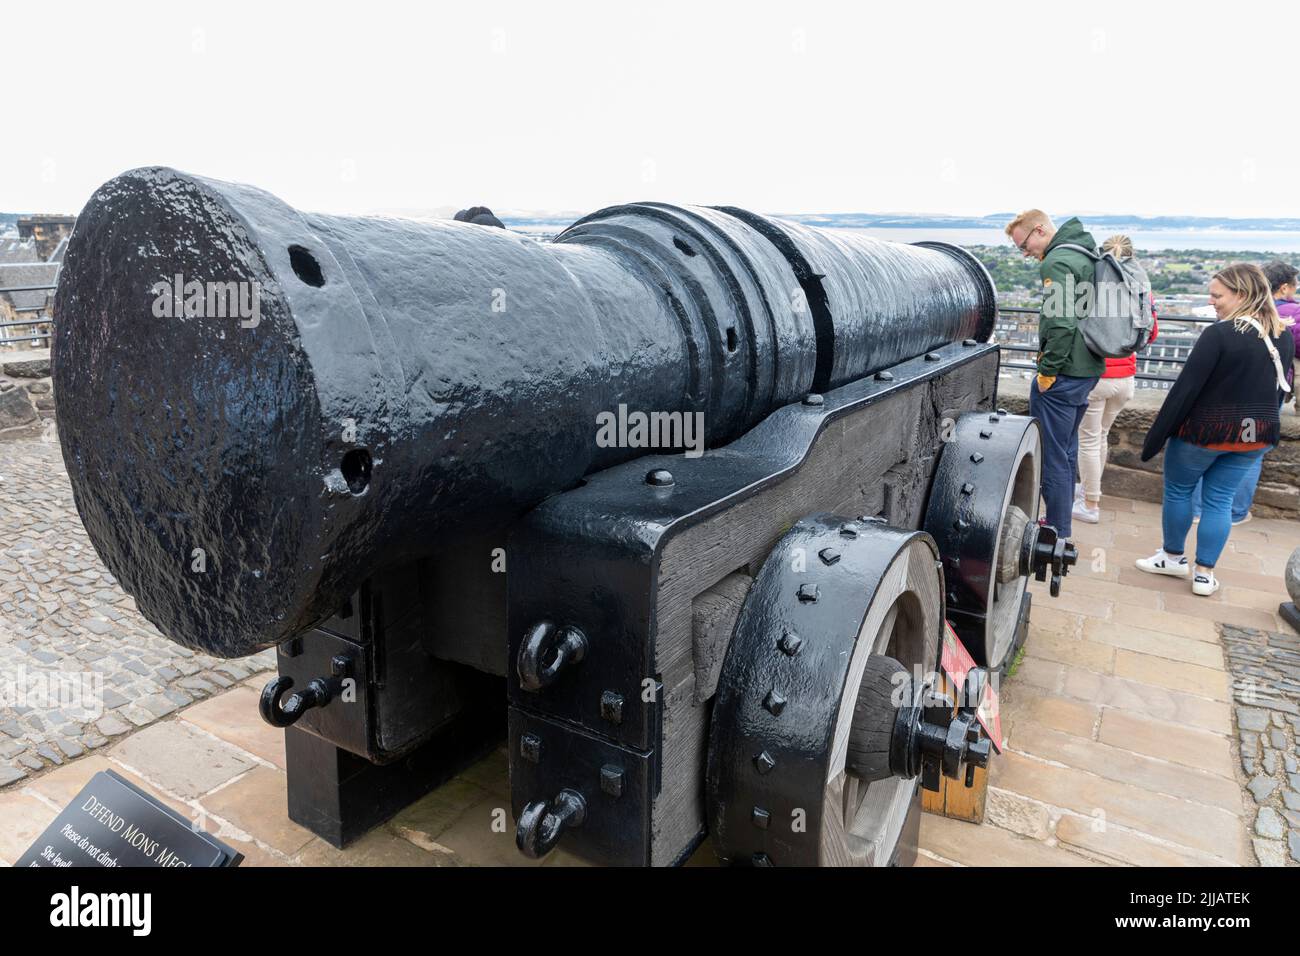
point(409, 383)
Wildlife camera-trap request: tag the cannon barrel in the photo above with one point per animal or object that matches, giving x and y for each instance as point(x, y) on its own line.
point(259, 407)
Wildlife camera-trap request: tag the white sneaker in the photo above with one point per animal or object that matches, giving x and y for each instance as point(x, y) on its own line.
point(1078, 491)
point(1161, 563)
point(1205, 583)
point(1082, 512)
point(1243, 520)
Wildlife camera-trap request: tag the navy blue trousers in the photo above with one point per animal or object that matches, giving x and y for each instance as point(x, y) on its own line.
point(1060, 410)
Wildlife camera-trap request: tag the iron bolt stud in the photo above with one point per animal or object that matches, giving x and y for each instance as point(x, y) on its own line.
point(986, 433)
point(764, 762)
point(884, 376)
point(774, 703)
point(808, 593)
point(967, 488)
point(969, 342)
point(932, 356)
point(976, 457)
point(611, 780)
point(660, 478)
point(849, 530)
point(761, 818)
point(790, 644)
point(762, 859)
point(1002, 411)
point(611, 707)
point(814, 399)
point(828, 555)
point(530, 748)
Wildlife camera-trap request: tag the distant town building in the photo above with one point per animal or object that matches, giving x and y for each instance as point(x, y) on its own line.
point(15, 250)
point(24, 275)
point(47, 230)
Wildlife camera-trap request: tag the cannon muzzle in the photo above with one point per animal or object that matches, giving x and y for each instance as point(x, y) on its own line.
point(259, 408)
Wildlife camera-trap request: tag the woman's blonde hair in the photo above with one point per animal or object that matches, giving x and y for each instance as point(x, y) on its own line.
point(1248, 281)
point(1121, 246)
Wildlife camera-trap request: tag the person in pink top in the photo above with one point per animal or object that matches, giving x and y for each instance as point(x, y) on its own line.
point(1283, 277)
point(1107, 399)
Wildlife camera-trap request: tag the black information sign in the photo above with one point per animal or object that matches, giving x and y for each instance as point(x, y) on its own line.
point(112, 823)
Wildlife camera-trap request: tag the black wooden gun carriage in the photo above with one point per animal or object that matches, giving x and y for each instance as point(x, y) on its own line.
point(397, 469)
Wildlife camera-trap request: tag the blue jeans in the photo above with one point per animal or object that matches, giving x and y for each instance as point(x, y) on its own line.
point(1059, 411)
point(1219, 473)
point(1245, 495)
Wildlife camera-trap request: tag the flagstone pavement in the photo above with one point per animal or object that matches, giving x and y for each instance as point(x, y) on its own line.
point(1124, 744)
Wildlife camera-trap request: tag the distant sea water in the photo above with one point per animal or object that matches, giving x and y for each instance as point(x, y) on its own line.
point(1227, 240)
point(1148, 240)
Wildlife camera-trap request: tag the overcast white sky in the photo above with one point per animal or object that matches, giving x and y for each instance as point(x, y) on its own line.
point(930, 106)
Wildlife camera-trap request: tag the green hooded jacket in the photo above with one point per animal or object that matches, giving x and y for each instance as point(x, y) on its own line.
point(1061, 348)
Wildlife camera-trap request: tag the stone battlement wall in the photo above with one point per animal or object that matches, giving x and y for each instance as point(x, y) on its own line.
point(26, 399)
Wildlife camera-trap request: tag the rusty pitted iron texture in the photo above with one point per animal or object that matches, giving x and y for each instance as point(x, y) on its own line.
point(259, 408)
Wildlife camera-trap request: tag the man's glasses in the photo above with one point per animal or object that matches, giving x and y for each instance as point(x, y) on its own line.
point(1021, 245)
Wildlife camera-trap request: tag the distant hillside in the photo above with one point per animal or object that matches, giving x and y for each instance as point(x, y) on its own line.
point(9, 221)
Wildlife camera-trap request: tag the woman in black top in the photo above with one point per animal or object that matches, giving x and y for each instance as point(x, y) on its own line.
point(1219, 417)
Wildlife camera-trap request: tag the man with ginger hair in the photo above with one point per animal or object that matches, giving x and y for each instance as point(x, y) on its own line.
point(1067, 370)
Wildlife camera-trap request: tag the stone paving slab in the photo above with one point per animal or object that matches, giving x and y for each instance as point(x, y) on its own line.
point(1120, 720)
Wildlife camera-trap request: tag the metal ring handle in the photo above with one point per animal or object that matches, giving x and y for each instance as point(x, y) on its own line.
point(278, 713)
point(543, 823)
point(546, 652)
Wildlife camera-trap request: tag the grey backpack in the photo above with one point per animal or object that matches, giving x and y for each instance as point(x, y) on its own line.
point(1116, 319)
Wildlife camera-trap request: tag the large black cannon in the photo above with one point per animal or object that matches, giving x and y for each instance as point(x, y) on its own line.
point(697, 482)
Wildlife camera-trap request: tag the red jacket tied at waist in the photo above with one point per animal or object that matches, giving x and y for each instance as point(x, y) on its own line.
point(1127, 367)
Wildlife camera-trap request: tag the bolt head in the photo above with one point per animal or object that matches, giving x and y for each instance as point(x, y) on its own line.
point(976, 457)
point(774, 703)
point(611, 780)
point(849, 530)
point(808, 593)
point(530, 748)
point(764, 762)
point(828, 555)
point(932, 356)
point(884, 376)
point(611, 707)
point(790, 643)
point(660, 478)
point(761, 818)
point(814, 400)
